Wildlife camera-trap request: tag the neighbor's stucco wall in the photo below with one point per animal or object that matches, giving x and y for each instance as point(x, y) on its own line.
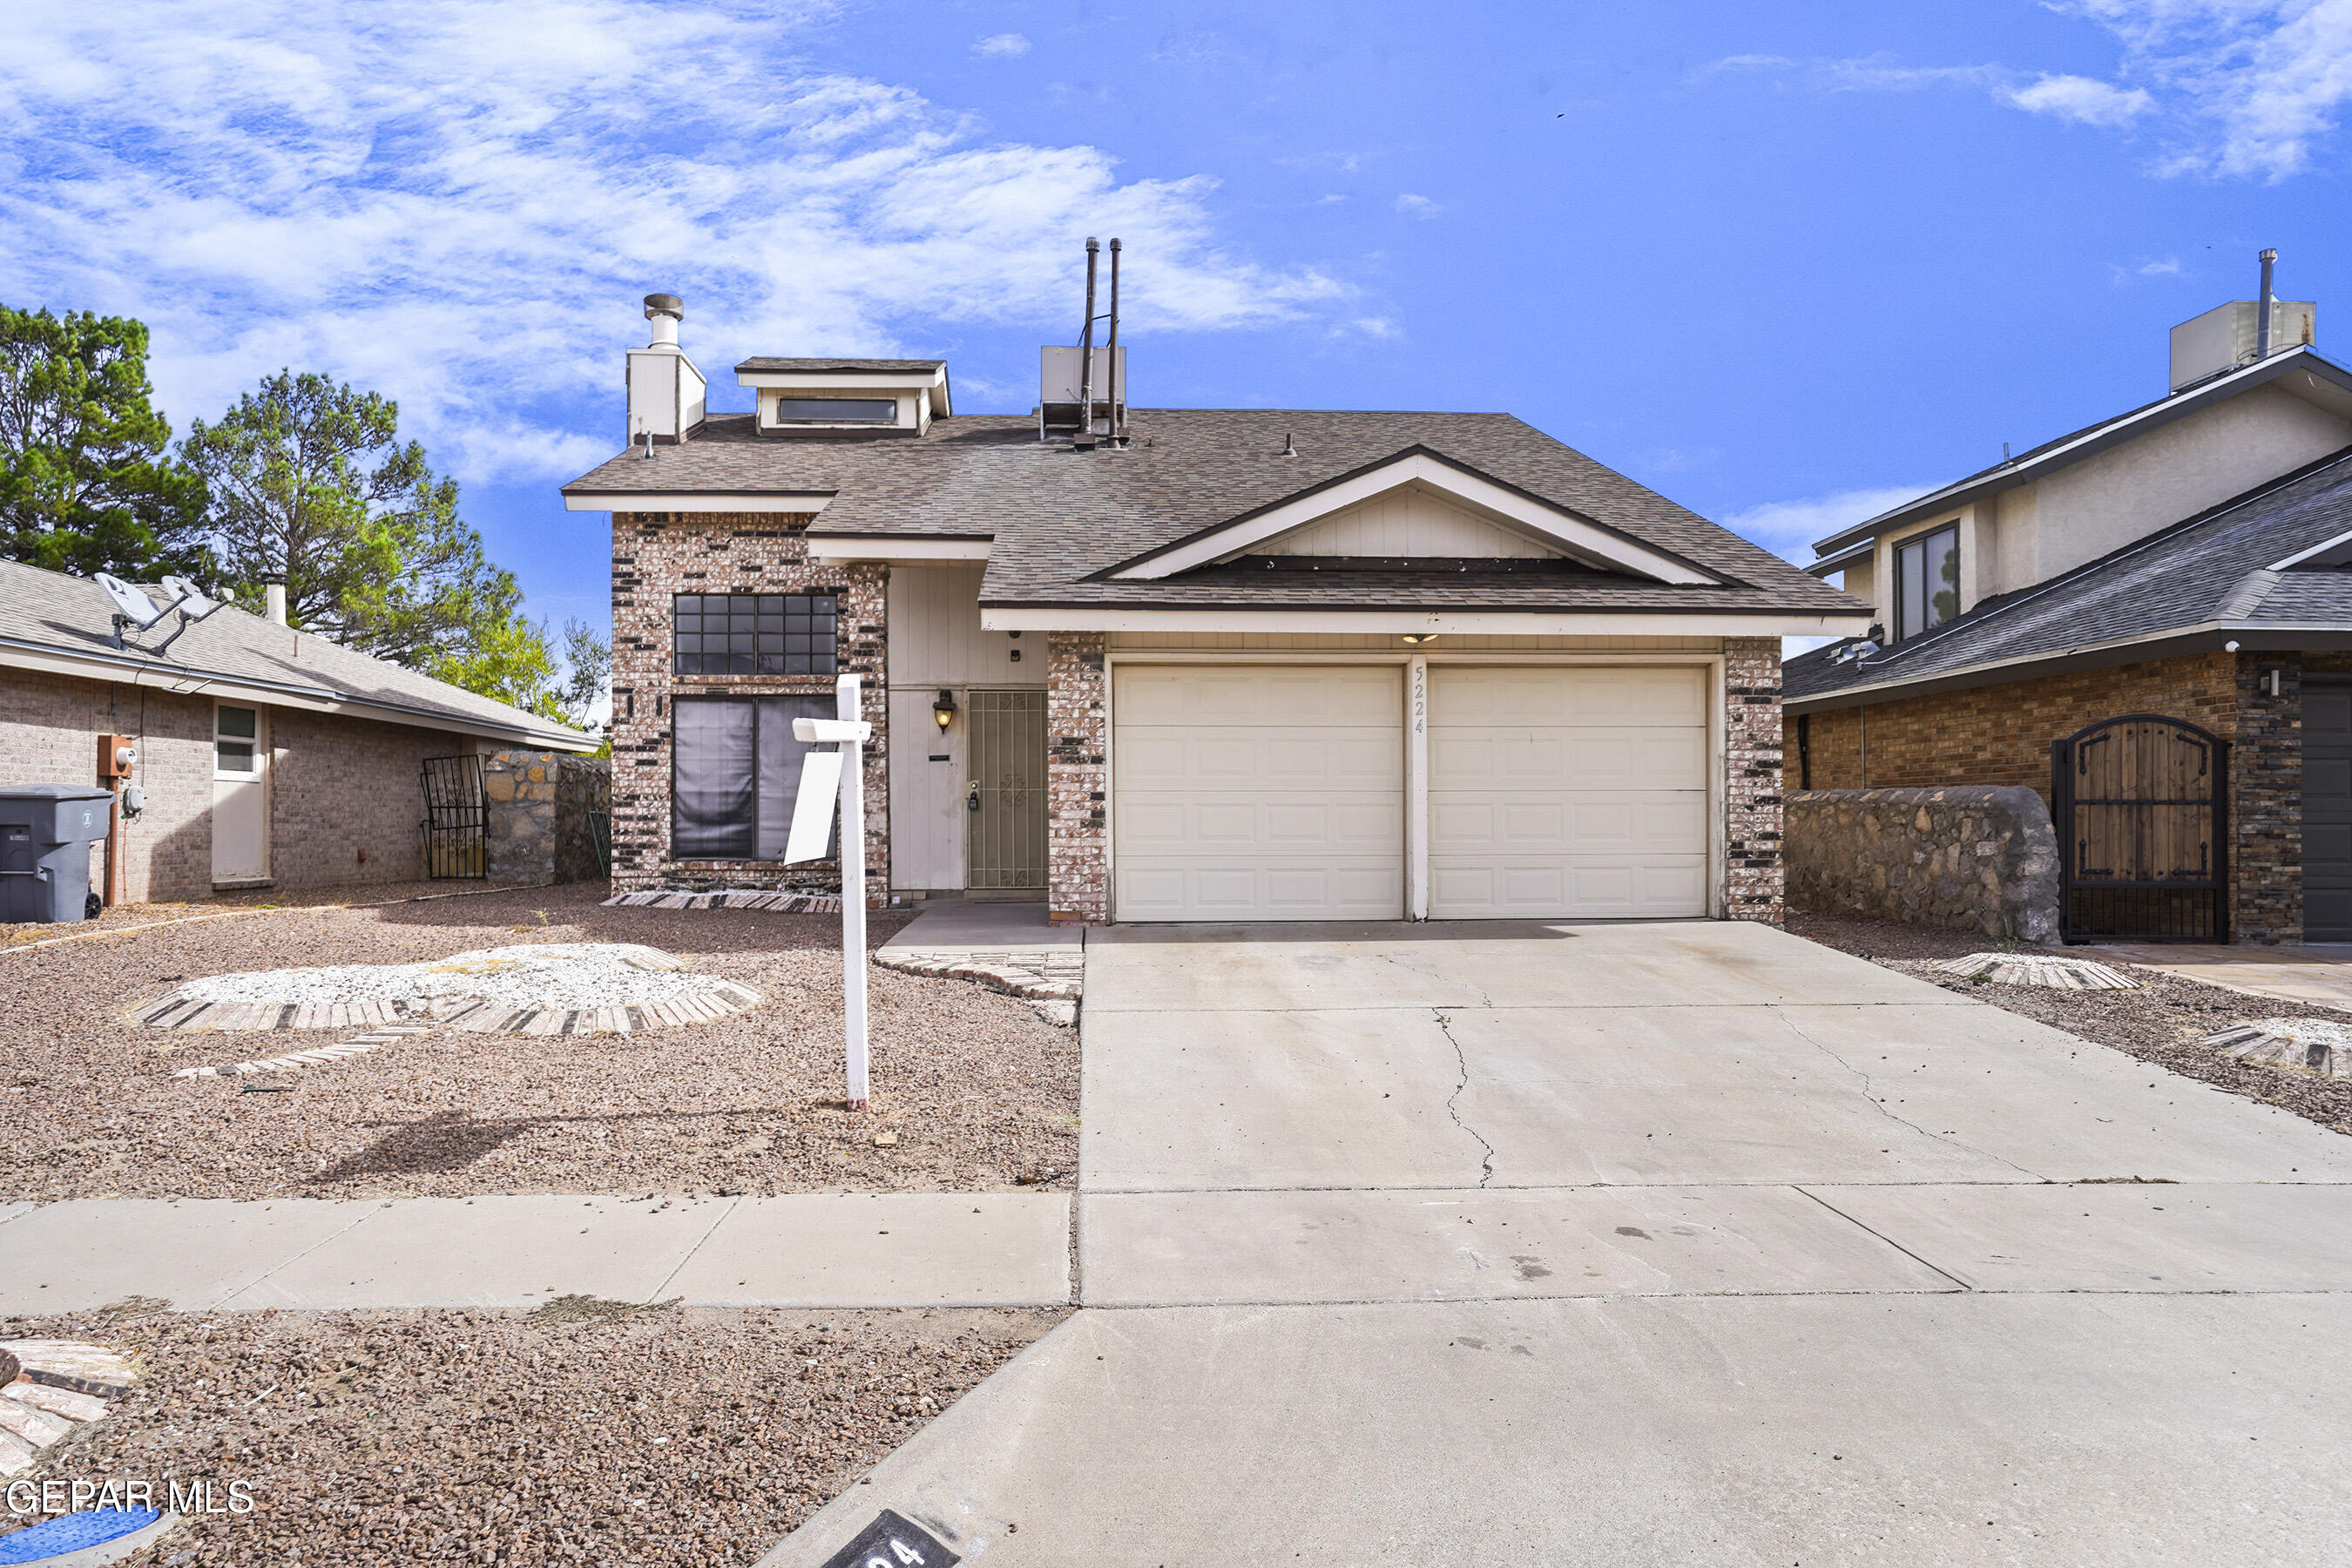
point(2125, 492)
point(658, 555)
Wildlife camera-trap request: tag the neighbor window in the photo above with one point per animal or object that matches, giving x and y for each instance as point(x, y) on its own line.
point(838, 410)
point(736, 773)
point(753, 634)
point(1926, 582)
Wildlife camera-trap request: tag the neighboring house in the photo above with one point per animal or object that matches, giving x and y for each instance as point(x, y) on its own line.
point(1186, 663)
point(268, 757)
point(2180, 568)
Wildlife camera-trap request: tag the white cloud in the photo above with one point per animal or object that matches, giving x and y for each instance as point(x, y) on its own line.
point(1788, 528)
point(459, 202)
point(1417, 206)
point(2081, 99)
point(2234, 87)
point(1001, 47)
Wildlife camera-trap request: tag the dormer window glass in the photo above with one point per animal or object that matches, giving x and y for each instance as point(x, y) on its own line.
point(1926, 582)
point(836, 410)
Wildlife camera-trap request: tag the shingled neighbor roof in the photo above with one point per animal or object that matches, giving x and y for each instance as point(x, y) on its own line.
point(50, 620)
point(2209, 573)
point(1062, 519)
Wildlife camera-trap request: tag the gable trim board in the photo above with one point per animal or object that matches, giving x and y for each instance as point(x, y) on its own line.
point(1438, 819)
point(1579, 537)
point(1354, 618)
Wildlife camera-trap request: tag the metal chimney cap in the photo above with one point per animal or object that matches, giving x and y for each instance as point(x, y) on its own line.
point(2267, 256)
point(665, 305)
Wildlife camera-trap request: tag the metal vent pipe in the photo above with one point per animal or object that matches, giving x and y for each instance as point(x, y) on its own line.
point(1085, 436)
point(2262, 312)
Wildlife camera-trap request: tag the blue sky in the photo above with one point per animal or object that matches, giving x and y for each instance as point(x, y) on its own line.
point(1785, 263)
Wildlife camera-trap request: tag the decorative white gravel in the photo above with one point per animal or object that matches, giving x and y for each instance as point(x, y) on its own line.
point(550, 976)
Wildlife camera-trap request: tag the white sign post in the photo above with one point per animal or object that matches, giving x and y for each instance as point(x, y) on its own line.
point(830, 780)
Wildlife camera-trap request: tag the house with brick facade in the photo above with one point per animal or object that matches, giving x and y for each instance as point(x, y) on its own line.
point(266, 756)
point(2148, 622)
point(1167, 664)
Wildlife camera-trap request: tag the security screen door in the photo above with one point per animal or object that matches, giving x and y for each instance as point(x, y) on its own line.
point(1005, 794)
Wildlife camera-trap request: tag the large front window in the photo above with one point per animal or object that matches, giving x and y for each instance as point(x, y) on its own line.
point(1926, 582)
point(737, 773)
point(753, 634)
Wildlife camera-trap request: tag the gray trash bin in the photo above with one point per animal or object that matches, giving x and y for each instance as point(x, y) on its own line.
point(46, 832)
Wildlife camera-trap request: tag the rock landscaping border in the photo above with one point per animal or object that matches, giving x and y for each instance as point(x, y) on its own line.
point(732, 899)
point(385, 1036)
point(1052, 981)
point(2323, 1046)
point(50, 1389)
point(2058, 971)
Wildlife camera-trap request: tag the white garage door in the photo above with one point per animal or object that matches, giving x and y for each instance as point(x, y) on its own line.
point(1567, 791)
point(1257, 792)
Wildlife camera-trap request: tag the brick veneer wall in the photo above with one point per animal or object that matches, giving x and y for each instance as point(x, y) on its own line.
point(1078, 828)
point(339, 787)
point(658, 554)
point(2002, 734)
point(1753, 872)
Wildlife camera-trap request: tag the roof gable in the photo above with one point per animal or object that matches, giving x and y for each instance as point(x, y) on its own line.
point(1427, 494)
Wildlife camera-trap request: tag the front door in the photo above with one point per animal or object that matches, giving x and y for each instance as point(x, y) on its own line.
point(241, 796)
point(1004, 799)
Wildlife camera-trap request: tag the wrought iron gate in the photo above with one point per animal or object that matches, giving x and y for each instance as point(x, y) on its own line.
point(2141, 805)
point(457, 819)
point(1007, 793)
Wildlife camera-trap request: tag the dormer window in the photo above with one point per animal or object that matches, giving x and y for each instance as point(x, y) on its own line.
point(836, 410)
point(1926, 581)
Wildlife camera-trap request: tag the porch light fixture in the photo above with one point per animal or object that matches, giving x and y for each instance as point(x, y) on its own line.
point(1420, 636)
point(944, 710)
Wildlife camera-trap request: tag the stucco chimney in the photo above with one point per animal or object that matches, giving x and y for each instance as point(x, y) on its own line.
point(666, 392)
point(274, 602)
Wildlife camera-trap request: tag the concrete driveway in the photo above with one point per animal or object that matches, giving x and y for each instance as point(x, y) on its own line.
point(1648, 1244)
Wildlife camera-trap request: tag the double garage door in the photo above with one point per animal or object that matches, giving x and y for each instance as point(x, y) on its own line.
point(1279, 793)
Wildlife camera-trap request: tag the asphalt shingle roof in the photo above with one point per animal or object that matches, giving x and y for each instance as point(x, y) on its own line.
point(1061, 517)
point(73, 615)
point(2211, 567)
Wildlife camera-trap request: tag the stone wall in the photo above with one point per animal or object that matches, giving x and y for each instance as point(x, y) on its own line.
point(658, 555)
point(538, 828)
point(1969, 858)
point(1078, 824)
point(2001, 735)
point(1752, 779)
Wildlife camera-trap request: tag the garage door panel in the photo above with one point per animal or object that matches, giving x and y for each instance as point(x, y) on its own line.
point(1666, 697)
point(1257, 793)
point(1568, 791)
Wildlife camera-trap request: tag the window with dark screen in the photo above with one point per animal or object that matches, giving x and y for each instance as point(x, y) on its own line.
point(1926, 582)
point(736, 775)
point(753, 634)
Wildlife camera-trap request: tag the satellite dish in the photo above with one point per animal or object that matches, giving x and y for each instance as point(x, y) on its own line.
point(188, 599)
point(130, 603)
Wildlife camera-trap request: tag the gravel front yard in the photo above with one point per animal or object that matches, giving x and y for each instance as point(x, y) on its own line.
point(979, 1091)
point(647, 1435)
point(2162, 1023)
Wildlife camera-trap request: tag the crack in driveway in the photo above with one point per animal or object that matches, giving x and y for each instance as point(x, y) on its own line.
point(1487, 1163)
point(1886, 1110)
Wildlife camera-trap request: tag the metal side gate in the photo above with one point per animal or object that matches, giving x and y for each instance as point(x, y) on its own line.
point(457, 819)
point(2141, 805)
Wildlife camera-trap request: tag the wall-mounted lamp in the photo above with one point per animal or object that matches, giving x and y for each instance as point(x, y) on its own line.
point(944, 710)
point(1420, 636)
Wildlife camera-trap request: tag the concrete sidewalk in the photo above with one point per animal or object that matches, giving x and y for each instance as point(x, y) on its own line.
point(868, 1249)
point(2318, 972)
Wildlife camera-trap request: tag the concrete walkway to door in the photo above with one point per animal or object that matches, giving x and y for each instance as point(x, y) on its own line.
point(1647, 1243)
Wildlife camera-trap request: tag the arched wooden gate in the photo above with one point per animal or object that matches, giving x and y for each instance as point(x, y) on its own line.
point(2141, 805)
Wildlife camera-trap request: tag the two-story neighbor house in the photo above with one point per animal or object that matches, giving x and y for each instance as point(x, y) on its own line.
point(1185, 664)
point(2148, 621)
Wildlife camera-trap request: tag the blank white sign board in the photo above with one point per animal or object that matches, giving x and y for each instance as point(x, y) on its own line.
point(812, 834)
